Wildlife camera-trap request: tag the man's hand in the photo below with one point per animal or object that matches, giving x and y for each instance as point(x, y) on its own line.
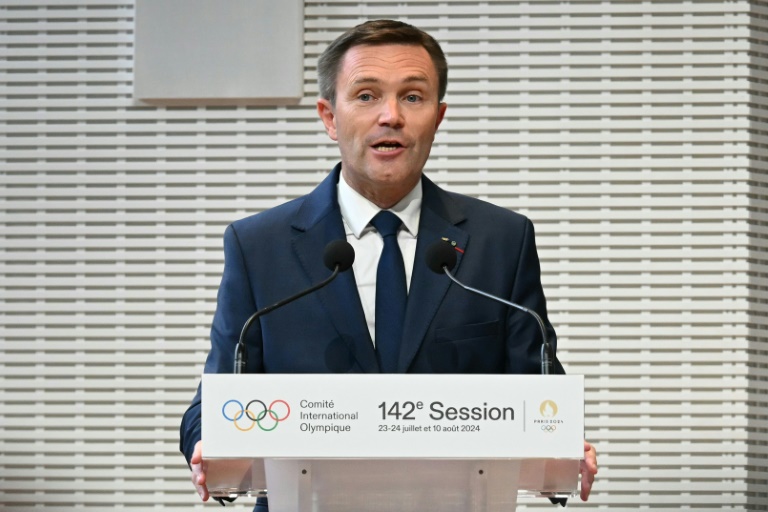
point(199, 467)
point(588, 468)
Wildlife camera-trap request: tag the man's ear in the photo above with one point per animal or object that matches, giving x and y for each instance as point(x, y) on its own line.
point(325, 111)
point(440, 114)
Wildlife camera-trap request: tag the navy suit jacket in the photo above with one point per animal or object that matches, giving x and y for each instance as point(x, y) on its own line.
point(276, 253)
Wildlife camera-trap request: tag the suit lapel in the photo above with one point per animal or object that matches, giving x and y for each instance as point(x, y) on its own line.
point(318, 222)
point(439, 219)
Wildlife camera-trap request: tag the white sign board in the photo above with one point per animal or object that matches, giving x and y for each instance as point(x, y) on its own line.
point(209, 52)
point(393, 416)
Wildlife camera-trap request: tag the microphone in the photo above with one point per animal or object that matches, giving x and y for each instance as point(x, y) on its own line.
point(338, 256)
point(441, 258)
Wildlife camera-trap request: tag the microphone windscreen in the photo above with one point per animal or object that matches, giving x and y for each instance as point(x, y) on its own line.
point(441, 254)
point(340, 253)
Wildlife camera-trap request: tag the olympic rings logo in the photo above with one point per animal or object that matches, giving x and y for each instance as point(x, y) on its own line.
point(548, 428)
point(267, 418)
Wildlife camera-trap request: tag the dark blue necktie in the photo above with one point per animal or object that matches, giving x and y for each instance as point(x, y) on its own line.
point(391, 293)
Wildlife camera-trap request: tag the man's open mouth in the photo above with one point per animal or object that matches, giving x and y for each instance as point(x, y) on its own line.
point(387, 146)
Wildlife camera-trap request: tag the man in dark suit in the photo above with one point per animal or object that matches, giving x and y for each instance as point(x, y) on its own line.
point(381, 87)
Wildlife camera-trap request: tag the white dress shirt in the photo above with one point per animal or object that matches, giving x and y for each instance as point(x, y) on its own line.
point(357, 212)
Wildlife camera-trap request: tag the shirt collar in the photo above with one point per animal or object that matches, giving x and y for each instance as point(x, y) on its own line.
point(357, 211)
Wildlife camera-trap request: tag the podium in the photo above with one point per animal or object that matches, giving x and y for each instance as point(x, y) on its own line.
point(346, 443)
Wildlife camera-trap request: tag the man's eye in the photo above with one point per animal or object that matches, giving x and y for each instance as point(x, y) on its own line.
point(412, 98)
point(365, 97)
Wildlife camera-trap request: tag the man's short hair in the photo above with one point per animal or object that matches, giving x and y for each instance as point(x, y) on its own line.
point(377, 33)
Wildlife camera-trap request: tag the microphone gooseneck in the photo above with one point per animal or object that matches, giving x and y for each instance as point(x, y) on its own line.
point(441, 258)
point(338, 256)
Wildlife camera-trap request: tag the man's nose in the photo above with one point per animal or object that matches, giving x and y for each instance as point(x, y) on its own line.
point(391, 113)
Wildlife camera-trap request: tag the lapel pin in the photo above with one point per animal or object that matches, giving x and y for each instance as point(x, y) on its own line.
point(453, 244)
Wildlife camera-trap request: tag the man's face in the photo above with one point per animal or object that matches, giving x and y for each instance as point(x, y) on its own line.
point(385, 118)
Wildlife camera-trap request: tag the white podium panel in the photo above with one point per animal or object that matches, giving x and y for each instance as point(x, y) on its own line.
point(382, 442)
